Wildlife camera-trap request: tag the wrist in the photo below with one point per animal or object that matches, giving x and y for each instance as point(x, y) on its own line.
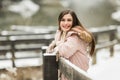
point(59, 42)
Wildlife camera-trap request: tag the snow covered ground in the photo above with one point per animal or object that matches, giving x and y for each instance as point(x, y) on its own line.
point(35, 61)
point(107, 68)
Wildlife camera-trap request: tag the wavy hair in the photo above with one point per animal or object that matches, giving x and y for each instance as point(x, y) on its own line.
point(76, 22)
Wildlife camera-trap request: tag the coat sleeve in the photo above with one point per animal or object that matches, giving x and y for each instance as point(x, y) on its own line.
point(69, 47)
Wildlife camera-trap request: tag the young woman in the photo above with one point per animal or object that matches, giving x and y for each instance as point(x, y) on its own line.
point(72, 40)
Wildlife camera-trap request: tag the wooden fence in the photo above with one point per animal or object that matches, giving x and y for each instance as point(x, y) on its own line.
point(20, 41)
point(10, 40)
point(71, 72)
point(105, 37)
point(35, 41)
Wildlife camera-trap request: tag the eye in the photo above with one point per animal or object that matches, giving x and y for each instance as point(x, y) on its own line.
point(69, 20)
point(62, 19)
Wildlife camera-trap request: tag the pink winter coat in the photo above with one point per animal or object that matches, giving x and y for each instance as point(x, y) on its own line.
point(74, 49)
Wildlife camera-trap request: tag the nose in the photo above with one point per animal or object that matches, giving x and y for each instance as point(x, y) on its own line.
point(66, 22)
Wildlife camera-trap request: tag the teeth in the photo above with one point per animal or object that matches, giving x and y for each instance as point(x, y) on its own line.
point(66, 26)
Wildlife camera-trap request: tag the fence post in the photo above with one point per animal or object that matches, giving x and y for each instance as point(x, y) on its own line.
point(50, 67)
point(112, 47)
point(13, 53)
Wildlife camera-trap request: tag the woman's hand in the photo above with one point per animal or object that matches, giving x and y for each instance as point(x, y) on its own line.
point(83, 34)
point(51, 47)
point(59, 42)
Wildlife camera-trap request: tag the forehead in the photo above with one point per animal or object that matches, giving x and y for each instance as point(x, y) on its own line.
point(67, 16)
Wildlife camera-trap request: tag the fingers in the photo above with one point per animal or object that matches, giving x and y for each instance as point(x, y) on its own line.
point(85, 36)
point(59, 42)
point(50, 48)
point(82, 35)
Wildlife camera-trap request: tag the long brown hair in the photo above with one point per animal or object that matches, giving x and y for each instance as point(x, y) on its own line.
point(76, 22)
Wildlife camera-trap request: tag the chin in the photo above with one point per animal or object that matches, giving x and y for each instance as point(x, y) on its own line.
point(66, 30)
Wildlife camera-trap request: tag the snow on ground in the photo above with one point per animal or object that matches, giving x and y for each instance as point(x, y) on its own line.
point(107, 68)
point(36, 61)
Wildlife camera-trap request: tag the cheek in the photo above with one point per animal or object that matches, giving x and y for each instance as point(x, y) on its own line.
point(72, 23)
point(61, 24)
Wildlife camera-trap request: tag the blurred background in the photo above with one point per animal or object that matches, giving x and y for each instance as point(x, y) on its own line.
point(93, 13)
point(33, 15)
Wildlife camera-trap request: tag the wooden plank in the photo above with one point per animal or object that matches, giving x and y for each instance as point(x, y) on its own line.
point(107, 29)
point(110, 31)
point(106, 44)
point(71, 71)
point(50, 67)
point(20, 33)
point(31, 38)
point(35, 29)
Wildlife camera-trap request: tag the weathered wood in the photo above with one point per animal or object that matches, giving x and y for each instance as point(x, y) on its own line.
point(37, 38)
point(31, 42)
point(34, 42)
point(34, 29)
point(111, 33)
point(71, 71)
point(111, 39)
point(13, 54)
point(20, 33)
point(106, 29)
point(109, 44)
point(106, 44)
point(50, 67)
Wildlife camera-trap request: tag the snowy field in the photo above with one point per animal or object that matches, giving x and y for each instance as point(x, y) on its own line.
point(35, 61)
point(107, 68)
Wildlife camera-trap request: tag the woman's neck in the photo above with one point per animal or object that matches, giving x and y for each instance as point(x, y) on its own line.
point(64, 33)
point(63, 36)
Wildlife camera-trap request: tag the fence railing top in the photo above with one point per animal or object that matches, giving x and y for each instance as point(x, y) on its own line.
point(75, 73)
point(70, 71)
point(103, 29)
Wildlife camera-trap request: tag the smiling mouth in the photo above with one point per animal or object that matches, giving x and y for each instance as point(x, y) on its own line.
point(66, 27)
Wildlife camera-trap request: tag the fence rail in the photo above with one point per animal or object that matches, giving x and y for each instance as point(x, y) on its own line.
point(71, 72)
point(23, 42)
point(102, 42)
point(10, 41)
point(36, 41)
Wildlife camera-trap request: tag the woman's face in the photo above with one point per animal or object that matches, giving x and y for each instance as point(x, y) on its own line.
point(66, 22)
